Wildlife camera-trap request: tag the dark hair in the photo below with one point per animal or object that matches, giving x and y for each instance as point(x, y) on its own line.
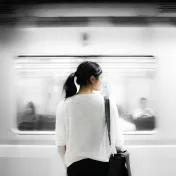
point(83, 73)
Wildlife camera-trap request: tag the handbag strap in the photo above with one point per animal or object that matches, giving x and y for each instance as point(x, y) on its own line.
point(124, 153)
point(107, 115)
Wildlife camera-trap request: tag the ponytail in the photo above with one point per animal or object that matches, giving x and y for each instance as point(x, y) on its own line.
point(69, 86)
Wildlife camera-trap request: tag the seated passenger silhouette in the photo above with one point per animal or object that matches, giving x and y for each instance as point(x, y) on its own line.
point(143, 111)
point(29, 117)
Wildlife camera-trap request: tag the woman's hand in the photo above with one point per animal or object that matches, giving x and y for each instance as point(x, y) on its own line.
point(120, 149)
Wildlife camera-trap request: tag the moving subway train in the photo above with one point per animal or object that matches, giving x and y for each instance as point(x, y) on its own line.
point(138, 62)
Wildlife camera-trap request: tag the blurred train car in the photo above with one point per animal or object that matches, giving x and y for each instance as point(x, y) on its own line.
point(135, 44)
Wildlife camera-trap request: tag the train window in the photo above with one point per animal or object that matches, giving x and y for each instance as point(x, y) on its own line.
point(129, 79)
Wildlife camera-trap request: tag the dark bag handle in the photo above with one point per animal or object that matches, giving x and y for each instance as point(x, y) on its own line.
point(124, 153)
point(107, 114)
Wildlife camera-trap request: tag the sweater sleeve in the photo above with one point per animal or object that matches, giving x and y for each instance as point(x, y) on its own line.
point(119, 141)
point(60, 127)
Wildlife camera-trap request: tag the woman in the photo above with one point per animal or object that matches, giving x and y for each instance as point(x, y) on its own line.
point(81, 132)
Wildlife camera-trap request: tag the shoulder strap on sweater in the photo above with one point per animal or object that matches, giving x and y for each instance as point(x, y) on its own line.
point(107, 115)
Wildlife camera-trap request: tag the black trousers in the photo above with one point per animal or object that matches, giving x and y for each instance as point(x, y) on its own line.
point(88, 167)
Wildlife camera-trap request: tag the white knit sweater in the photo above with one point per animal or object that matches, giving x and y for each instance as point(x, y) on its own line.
point(80, 125)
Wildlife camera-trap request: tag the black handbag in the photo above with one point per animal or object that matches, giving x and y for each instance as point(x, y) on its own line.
point(119, 163)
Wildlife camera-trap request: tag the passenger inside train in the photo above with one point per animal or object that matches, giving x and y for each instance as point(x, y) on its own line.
point(29, 117)
point(143, 111)
point(29, 120)
point(144, 117)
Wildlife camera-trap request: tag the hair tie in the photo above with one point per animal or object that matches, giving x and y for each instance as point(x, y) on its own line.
point(75, 79)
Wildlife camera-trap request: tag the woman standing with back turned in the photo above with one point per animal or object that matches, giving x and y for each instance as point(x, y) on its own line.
point(81, 132)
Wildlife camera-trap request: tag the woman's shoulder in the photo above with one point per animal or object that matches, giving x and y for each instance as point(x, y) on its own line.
point(83, 97)
point(61, 104)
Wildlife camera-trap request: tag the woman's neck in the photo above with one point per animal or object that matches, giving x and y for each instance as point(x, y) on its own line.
point(85, 91)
